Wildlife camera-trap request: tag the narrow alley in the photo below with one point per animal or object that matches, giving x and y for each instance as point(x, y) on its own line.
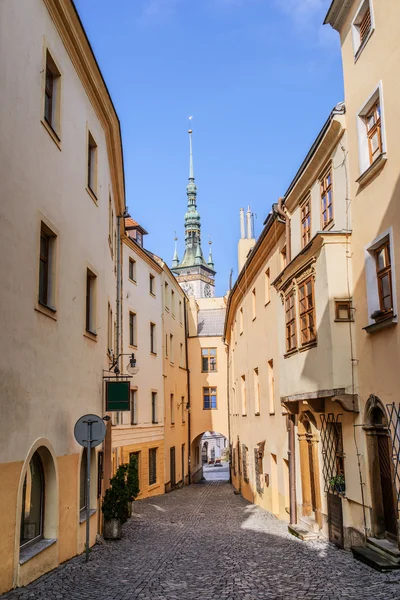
point(204, 542)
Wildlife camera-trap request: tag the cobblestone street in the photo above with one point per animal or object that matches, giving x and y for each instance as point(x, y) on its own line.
point(204, 542)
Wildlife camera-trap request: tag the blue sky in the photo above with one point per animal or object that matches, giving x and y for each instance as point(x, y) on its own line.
point(259, 77)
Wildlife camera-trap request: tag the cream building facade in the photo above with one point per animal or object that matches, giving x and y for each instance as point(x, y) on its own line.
point(371, 55)
point(62, 180)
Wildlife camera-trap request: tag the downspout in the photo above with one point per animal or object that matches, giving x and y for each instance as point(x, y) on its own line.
point(292, 471)
point(188, 388)
point(285, 217)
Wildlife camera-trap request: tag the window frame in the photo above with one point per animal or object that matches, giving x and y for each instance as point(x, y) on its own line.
point(243, 395)
point(40, 536)
point(209, 358)
point(343, 301)
point(47, 302)
point(267, 287)
point(154, 398)
point(324, 189)
point(132, 269)
point(307, 312)
point(153, 466)
point(52, 119)
point(257, 398)
point(305, 215)
point(134, 393)
point(151, 284)
point(290, 323)
point(375, 129)
point(271, 386)
point(92, 164)
point(372, 291)
point(172, 408)
point(90, 305)
point(383, 272)
point(132, 329)
point(366, 167)
point(359, 43)
point(153, 344)
point(209, 394)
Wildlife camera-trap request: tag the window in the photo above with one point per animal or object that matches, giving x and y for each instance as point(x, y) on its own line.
point(152, 466)
point(154, 407)
point(258, 469)
point(90, 302)
point(132, 329)
point(134, 416)
point(245, 464)
point(254, 303)
point(172, 409)
point(208, 360)
point(52, 95)
point(243, 392)
point(371, 133)
point(283, 258)
point(271, 387)
point(241, 321)
point(307, 311)
point(47, 265)
point(109, 330)
point(373, 124)
point(326, 198)
point(361, 27)
point(267, 283)
point(290, 319)
point(183, 408)
point(92, 164)
point(343, 310)
point(171, 347)
point(180, 312)
point(153, 338)
point(256, 392)
point(139, 238)
point(110, 222)
point(306, 222)
point(137, 455)
point(32, 502)
point(166, 345)
point(173, 302)
point(151, 285)
point(132, 269)
point(181, 356)
point(209, 398)
point(384, 276)
point(166, 294)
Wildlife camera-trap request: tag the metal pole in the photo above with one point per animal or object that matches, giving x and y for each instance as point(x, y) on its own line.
point(88, 447)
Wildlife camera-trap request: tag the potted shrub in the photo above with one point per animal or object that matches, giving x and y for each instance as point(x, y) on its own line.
point(132, 480)
point(115, 505)
point(338, 484)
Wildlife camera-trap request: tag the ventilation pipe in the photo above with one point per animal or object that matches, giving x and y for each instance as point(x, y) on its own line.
point(249, 225)
point(242, 234)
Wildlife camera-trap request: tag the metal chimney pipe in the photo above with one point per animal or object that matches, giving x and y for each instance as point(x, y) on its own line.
point(242, 233)
point(249, 227)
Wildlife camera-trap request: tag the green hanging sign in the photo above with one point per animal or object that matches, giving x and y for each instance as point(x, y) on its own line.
point(118, 395)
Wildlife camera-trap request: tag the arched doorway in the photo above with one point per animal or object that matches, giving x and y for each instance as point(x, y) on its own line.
point(383, 496)
point(309, 465)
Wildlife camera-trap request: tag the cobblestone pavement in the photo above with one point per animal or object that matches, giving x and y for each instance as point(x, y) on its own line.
point(205, 543)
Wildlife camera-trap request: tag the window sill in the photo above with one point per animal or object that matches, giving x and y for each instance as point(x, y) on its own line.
point(90, 335)
point(210, 408)
point(301, 349)
point(327, 227)
point(152, 295)
point(272, 414)
point(51, 133)
point(245, 415)
point(82, 514)
point(153, 486)
point(269, 302)
point(257, 414)
point(92, 195)
point(362, 46)
point(134, 346)
point(132, 280)
point(36, 548)
point(46, 310)
point(153, 353)
point(373, 169)
point(383, 324)
point(254, 318)
point(344, 320)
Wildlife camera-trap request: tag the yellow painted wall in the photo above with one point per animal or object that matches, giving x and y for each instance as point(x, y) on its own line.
point(10, 474)
point(147, 490)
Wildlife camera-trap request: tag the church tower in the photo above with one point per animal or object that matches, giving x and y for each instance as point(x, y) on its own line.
point(195, 275)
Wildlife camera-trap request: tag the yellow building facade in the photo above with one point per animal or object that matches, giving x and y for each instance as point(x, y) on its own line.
point(58, 217)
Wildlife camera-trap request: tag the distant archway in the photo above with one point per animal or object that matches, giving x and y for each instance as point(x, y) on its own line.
point(208, 449)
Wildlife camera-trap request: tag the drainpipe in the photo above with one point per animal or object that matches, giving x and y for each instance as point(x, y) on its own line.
point(292, 470)
point(285, 217)
point(229, 415)
point(188, 387)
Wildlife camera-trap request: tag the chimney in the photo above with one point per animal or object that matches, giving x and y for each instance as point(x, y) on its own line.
point(248, 222)
point(242, 234)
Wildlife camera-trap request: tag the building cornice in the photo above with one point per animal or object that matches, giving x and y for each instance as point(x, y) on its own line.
point(337, 13)
point(142, 253)
point(74, 38)
point(267, 241)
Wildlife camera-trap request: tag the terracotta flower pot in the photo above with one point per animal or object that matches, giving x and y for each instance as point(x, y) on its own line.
point(112, 529)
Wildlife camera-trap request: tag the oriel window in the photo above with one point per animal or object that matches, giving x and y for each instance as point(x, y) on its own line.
point(326, 198)
point(307, 311)
point(306, 222)
point(290, 317)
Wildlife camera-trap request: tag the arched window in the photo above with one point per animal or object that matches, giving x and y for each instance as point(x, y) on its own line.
point(32, 502)
point(82, 496)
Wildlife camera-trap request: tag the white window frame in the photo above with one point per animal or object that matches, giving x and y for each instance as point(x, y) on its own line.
point(371, 278)
point(363, 152)
point(358, 47)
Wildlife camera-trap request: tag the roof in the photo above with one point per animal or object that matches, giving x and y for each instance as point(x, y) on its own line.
point(132, 224)
point(211, 322)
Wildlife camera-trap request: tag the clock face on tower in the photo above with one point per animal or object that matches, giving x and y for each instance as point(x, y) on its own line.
point(207, 291)
point(188, 289)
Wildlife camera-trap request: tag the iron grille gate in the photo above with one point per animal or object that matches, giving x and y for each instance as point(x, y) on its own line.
point(394, 433)
point(333, 474)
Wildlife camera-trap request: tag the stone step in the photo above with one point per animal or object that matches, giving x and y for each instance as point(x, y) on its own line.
point(374, 559)
point(302, 533)
point(385, 547)
point(309, 523)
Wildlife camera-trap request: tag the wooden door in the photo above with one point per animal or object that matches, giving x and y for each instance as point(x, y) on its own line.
point(386, 477)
